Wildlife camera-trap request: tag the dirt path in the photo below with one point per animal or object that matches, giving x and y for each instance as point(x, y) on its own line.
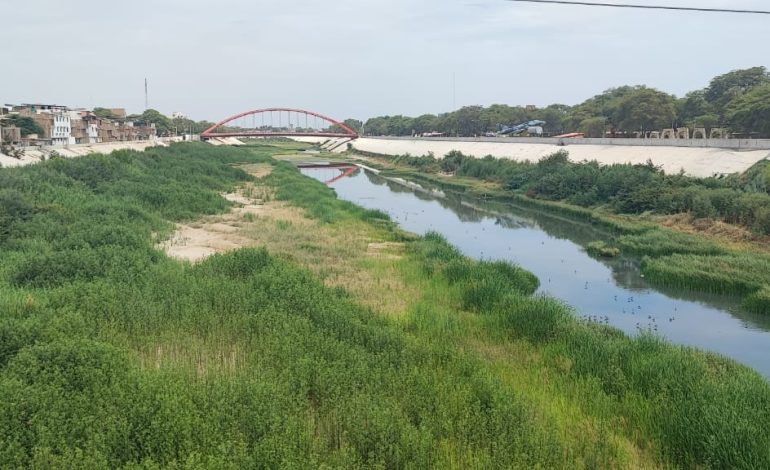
point(353, 255)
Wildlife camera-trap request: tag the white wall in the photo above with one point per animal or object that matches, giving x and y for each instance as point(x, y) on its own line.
point(695, 161)
point(61, 132)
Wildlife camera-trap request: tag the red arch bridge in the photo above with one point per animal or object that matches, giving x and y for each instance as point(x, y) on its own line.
point(330, 173)
point(279, 122)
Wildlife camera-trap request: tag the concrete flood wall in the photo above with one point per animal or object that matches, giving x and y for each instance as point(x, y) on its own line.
point(36, 154)
point(688, 155)
point(734, 144)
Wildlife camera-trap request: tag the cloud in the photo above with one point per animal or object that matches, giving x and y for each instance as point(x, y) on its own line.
point(359, 59)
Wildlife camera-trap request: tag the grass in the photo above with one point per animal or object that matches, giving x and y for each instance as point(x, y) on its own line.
point(730, 273)
point(759, 301)
point(645, 381)
point(644, 236)
point(600, 248)
point(256, 358)
point(663, 242)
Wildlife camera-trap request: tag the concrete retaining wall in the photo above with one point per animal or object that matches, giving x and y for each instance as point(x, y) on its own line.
point(36, 154)
point(734, 144)
point(694, 160)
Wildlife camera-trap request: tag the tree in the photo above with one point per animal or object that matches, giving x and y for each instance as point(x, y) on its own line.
point(104, 113)
point(501, 114)
point(425, 123)
point(555, 116)
point(354, 124)
point(725, 88)
point(27, 125)
point(645, 108)
point(468, 120)
point(751, 111)
point(162, 123)
point(604, 105)
point(593, 127)
point(628, 108)
point(693, 106)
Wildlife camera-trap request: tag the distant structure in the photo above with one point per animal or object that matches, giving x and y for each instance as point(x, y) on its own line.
point(668, 134)
point(719, 133)
point(64, 126)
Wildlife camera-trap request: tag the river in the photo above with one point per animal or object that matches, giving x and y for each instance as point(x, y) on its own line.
point(552, 247)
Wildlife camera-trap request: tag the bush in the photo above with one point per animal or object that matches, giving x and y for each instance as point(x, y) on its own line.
point(600, 248)
point(628, 189)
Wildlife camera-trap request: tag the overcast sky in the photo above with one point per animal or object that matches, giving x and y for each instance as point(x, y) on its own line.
point(361, 58)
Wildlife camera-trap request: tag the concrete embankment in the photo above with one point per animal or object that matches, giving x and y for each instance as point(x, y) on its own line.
point(36, 154)
point(694, 157)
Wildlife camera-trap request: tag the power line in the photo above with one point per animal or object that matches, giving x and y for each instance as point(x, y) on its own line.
point(646, 7)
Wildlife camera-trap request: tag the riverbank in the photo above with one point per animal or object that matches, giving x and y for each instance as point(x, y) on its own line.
point(697, 158)
point(677, 251)
point(32, 155)
point(270, 354)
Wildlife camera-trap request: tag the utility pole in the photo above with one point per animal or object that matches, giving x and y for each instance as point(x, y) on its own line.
point(454, 101)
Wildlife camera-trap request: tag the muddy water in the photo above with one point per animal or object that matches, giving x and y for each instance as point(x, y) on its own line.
point(553, 248)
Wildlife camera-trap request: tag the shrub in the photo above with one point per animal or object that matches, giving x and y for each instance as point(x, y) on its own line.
point(600, 248)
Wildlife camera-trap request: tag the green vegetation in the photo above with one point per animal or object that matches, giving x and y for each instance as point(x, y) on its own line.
point(164, 124)
point(600, 248)
point(667, 242)
point(113, 355)
point(667, 392)
point(733, 273)
point(758, 302)
point(623, 188)
point(736, 100)
point(105, 113)
point(614, 196)
point(26, 125)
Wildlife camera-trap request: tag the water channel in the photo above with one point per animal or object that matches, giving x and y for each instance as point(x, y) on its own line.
point(552, 246)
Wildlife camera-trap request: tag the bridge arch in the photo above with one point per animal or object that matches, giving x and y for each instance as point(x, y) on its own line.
point(272, 131)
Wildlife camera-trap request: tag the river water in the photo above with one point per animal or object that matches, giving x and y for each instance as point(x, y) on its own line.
point(552, 247)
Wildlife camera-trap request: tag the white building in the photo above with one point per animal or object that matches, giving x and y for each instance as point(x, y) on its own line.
point(93, 133)
point(55, 121)
point(61, 132)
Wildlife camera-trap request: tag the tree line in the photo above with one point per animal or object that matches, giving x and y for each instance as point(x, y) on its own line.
point(165, 125)
point(627, 189)
point(738, 100)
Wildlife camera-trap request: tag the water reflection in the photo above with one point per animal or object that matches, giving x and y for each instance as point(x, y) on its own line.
point(552, 247)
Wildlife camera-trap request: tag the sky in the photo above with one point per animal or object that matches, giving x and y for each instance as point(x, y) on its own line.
point(360, 58)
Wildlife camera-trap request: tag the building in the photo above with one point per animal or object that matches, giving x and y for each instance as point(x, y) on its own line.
point(85, 127)
point(10, 134)
point(106, 131)
point(63, 126)
point(128, 131)
point(55, 121)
